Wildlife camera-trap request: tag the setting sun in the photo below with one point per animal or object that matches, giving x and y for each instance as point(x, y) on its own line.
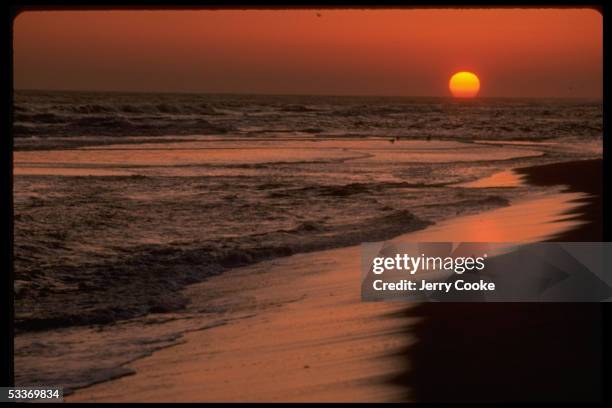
point(464, 85)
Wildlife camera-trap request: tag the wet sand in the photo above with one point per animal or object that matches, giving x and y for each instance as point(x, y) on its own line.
point(516, 351)
point(304, 334)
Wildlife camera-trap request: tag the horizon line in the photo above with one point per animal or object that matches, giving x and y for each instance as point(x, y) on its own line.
point(297, 94)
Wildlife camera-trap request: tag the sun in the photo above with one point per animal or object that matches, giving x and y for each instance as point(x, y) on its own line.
point(464, 84)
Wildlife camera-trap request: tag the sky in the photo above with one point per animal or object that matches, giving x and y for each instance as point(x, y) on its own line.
point(514, 52)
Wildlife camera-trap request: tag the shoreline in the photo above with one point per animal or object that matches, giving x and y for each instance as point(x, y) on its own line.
point(517, 352)
point(385, 207)
point(584, 176)
point(348, 322)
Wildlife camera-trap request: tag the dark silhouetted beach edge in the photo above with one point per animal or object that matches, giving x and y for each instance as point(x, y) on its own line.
point(510, 352)
point(584, 176)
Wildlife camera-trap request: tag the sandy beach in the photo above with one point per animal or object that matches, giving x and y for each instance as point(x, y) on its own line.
point(303, 334)
point(517, 351)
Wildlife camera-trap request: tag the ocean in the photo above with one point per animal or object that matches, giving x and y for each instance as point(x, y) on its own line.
point(41, 115)
point(122, 200)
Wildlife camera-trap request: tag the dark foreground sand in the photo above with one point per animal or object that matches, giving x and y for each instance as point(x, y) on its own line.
point(516, 351)
point(581, 176)
point(310, 338)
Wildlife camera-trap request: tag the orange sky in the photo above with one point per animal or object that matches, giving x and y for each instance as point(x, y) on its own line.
point(515, 52)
